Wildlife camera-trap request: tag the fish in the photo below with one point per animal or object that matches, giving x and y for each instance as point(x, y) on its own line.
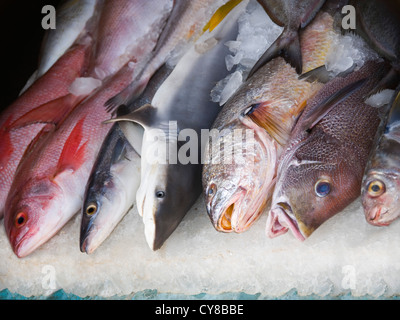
point(293, 16)
point(380, 187)
point(180, 110)
point(42, 106)
point(111, 189)
point(321, 169)
point(49, 183)
point(121, 22)
point(378, 24)
point(71, 19)
point(115, 177)
point(236, 191)
point(183, 26)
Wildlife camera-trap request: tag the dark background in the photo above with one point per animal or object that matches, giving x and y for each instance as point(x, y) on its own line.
point(21, 35)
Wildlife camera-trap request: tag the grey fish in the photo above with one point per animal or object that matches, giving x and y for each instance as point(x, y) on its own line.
point(380, 187)
point(321, 170)
point(377, 22)
point(293, 16)
point(169, 189)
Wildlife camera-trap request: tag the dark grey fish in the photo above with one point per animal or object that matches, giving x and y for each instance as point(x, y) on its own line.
point(321, 170)
point(378, 23)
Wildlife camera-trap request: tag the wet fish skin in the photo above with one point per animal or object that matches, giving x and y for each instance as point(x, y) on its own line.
point(236, 193)
point(380, 186)
point(293, 15)
point(322, 167)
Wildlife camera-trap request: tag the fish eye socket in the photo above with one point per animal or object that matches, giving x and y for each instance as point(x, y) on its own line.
point(21, 219)
point(160, 194)
point(376, 188)
point(322, 188)
point(212, 189)
point(91, 209)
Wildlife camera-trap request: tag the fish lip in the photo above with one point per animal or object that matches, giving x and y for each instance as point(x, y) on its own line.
point(237, 225)
point(375, 215)
point(279, 222)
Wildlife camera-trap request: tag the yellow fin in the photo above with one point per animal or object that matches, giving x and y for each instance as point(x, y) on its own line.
point(220, 14)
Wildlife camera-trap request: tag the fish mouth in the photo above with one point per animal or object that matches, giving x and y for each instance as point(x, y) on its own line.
point(232, 219)
point(279, 222)
point(377, 215)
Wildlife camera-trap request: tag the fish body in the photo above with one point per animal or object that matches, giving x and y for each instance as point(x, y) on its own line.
point(43, 105)
point(111, 189)
point(380, 186)
point(293, 16)
point(236, 191)
point(180, 109)
point(183, 26)
point(321, 169)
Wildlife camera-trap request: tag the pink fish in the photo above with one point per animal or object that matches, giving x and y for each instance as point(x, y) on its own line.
point(43, 105)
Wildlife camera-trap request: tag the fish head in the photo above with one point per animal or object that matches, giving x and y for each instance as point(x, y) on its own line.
point(236, 185)
point(34, 211)
point(380, 195)
point(166, 192)
point(312, 191)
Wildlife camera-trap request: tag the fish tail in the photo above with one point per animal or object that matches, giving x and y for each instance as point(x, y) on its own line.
point(287, 46)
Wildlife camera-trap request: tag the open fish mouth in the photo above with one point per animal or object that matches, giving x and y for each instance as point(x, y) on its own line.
point(378, 217)
point(233, 219)
point(279, 222)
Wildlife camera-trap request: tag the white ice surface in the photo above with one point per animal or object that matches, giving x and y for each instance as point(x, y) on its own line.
point(345, 255)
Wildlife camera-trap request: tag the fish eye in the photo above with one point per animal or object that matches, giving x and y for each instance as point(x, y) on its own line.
point(322, 188)
point(20, 219)
point(160, 194)
point(376, 188)
point(91, 209)
point(212, 189)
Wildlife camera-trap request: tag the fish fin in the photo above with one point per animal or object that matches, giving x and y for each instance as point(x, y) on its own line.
point(269, 7)
point(220, 14)
point(72, 154)
point(323, 108)
point(6, 146)
point(319, 74)
point(268, 117)
point(287, 46)
point(126, 96)
point(142, 116)
point(52, 112)
point(394, 113)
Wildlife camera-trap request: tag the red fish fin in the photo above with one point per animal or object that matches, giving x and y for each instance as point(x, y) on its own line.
point(271, 119)
point(52, 112)
point(6, 147)
point(73, 153)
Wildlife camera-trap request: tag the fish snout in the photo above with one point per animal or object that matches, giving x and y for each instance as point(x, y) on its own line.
point(377, 216)
point(279, 222)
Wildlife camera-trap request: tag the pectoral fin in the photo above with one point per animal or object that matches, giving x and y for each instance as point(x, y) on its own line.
point(143, 116)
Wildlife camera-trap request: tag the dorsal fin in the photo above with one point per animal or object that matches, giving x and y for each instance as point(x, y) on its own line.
point(318, 112)
point(143, 116)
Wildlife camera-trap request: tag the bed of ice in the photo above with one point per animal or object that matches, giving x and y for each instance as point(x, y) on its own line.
point(344, 257)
